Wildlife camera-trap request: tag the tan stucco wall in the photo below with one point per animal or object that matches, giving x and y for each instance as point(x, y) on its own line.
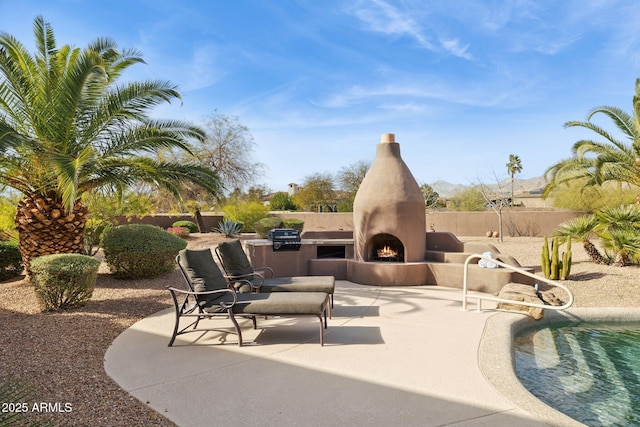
point(165, 220)
point(517, 222)
point(533, 223)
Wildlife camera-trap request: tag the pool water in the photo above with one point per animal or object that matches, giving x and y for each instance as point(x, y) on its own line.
point(588, 371)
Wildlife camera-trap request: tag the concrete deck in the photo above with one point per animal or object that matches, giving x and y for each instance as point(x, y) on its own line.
point(393, 356)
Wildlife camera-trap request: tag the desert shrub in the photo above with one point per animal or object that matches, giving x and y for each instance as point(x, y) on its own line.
point(295, 223)
point(10, 260)
point(182, 232)
point(246, 212)
point(64, 280)
point(193, 228)
point(137, 251)
point(263, 226)
point(228, 228)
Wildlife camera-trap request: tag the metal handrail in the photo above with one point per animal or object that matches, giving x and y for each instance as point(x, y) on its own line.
point(517, 270)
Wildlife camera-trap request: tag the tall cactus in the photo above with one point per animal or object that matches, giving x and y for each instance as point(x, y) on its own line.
point(554, 266)
point(566, 261)
point(545, 258)
point(555, 261)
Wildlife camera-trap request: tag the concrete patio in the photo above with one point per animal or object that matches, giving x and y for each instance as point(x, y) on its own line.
point(392, 356)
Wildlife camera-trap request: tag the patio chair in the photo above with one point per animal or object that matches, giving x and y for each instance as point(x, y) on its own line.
point(209, 296)
point(237, 267)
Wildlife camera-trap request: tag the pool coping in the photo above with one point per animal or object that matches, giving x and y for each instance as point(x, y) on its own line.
point(497, 361)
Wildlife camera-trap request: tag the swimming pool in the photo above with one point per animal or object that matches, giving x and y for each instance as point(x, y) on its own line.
point(588, 371)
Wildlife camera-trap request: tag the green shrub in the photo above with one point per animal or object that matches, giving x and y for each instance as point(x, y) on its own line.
point(263, 226)
point(228, 228)
point(137, 251)
point(246, 212)
point(295, 223)
point(193, 228)
point(64, 280)
point(10, 260)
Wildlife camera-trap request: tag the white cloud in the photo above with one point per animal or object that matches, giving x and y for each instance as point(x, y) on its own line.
point(201, 71)
point(456, 49)
point(383, 18)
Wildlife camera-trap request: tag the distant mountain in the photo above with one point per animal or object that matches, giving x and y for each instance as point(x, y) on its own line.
point(446, 189)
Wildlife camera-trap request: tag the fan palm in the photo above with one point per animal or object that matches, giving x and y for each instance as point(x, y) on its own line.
point(67, 129)
point(580, 229)
point(619, 229)
point(607, 160)
point(513, 167)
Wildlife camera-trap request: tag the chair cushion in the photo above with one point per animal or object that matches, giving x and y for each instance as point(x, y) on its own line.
point(234, 259)
point(282, 303)
point(203, 274)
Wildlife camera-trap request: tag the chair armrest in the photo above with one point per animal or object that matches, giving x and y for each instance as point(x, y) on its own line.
point(247, 278)
point(223, 304)
point(268, 270)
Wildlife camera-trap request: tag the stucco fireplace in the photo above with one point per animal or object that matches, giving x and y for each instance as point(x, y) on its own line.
point(389, 223)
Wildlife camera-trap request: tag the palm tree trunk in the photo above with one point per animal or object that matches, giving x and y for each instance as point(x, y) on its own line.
point(593, 252)
point(45, 228)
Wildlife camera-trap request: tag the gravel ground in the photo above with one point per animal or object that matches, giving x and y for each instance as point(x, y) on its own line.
point(59, 356)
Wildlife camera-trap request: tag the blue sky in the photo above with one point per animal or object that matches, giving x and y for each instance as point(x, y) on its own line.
point(461, 83)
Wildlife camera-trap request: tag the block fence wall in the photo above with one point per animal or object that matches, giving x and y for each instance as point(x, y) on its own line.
point(515, 223)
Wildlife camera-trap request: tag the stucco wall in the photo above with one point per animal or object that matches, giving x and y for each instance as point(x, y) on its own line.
point(516, 222)
point(165, 220)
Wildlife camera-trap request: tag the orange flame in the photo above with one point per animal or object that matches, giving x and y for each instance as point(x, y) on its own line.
point(387, 252)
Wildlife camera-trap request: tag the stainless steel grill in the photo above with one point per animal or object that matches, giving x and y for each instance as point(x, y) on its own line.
point(285, 239)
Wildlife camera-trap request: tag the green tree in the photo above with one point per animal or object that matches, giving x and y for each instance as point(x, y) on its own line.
point(607, 159)
point(316, 193)
point(469, 199)
point(576, 196)
point(513, 167)
point(431, 197)
point(282, 202)
point(67, 129)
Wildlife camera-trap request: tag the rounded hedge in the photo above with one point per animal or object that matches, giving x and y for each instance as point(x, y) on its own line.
point(64, 280)
point(193, 228)
point(10, 260)
point(138, 251)
point(263, 226)
point(295, 223)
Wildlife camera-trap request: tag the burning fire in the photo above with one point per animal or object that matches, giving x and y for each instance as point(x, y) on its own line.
point(387, 252)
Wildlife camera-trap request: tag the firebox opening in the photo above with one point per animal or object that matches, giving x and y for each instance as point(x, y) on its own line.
point(386, 248)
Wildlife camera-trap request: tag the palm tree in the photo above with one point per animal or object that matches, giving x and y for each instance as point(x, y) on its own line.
point(67, 129)
point(581, 228)
point(610, 159)
point(513, 167)
point(619, 229)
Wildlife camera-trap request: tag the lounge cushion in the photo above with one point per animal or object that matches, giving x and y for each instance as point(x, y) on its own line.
point(283, 303)
point(300, 284)
point(236, 262)
point(204, 273)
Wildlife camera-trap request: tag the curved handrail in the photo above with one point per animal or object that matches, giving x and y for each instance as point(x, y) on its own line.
point(517, 270)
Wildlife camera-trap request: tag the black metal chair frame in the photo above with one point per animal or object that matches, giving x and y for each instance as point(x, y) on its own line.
point(194, 310)
point(187, 309)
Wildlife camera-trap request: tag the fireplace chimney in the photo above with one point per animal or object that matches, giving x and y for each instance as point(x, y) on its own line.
point(389, 206)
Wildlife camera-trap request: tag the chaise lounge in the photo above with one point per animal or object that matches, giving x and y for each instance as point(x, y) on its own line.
point(237, 267)
point(210, 296)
